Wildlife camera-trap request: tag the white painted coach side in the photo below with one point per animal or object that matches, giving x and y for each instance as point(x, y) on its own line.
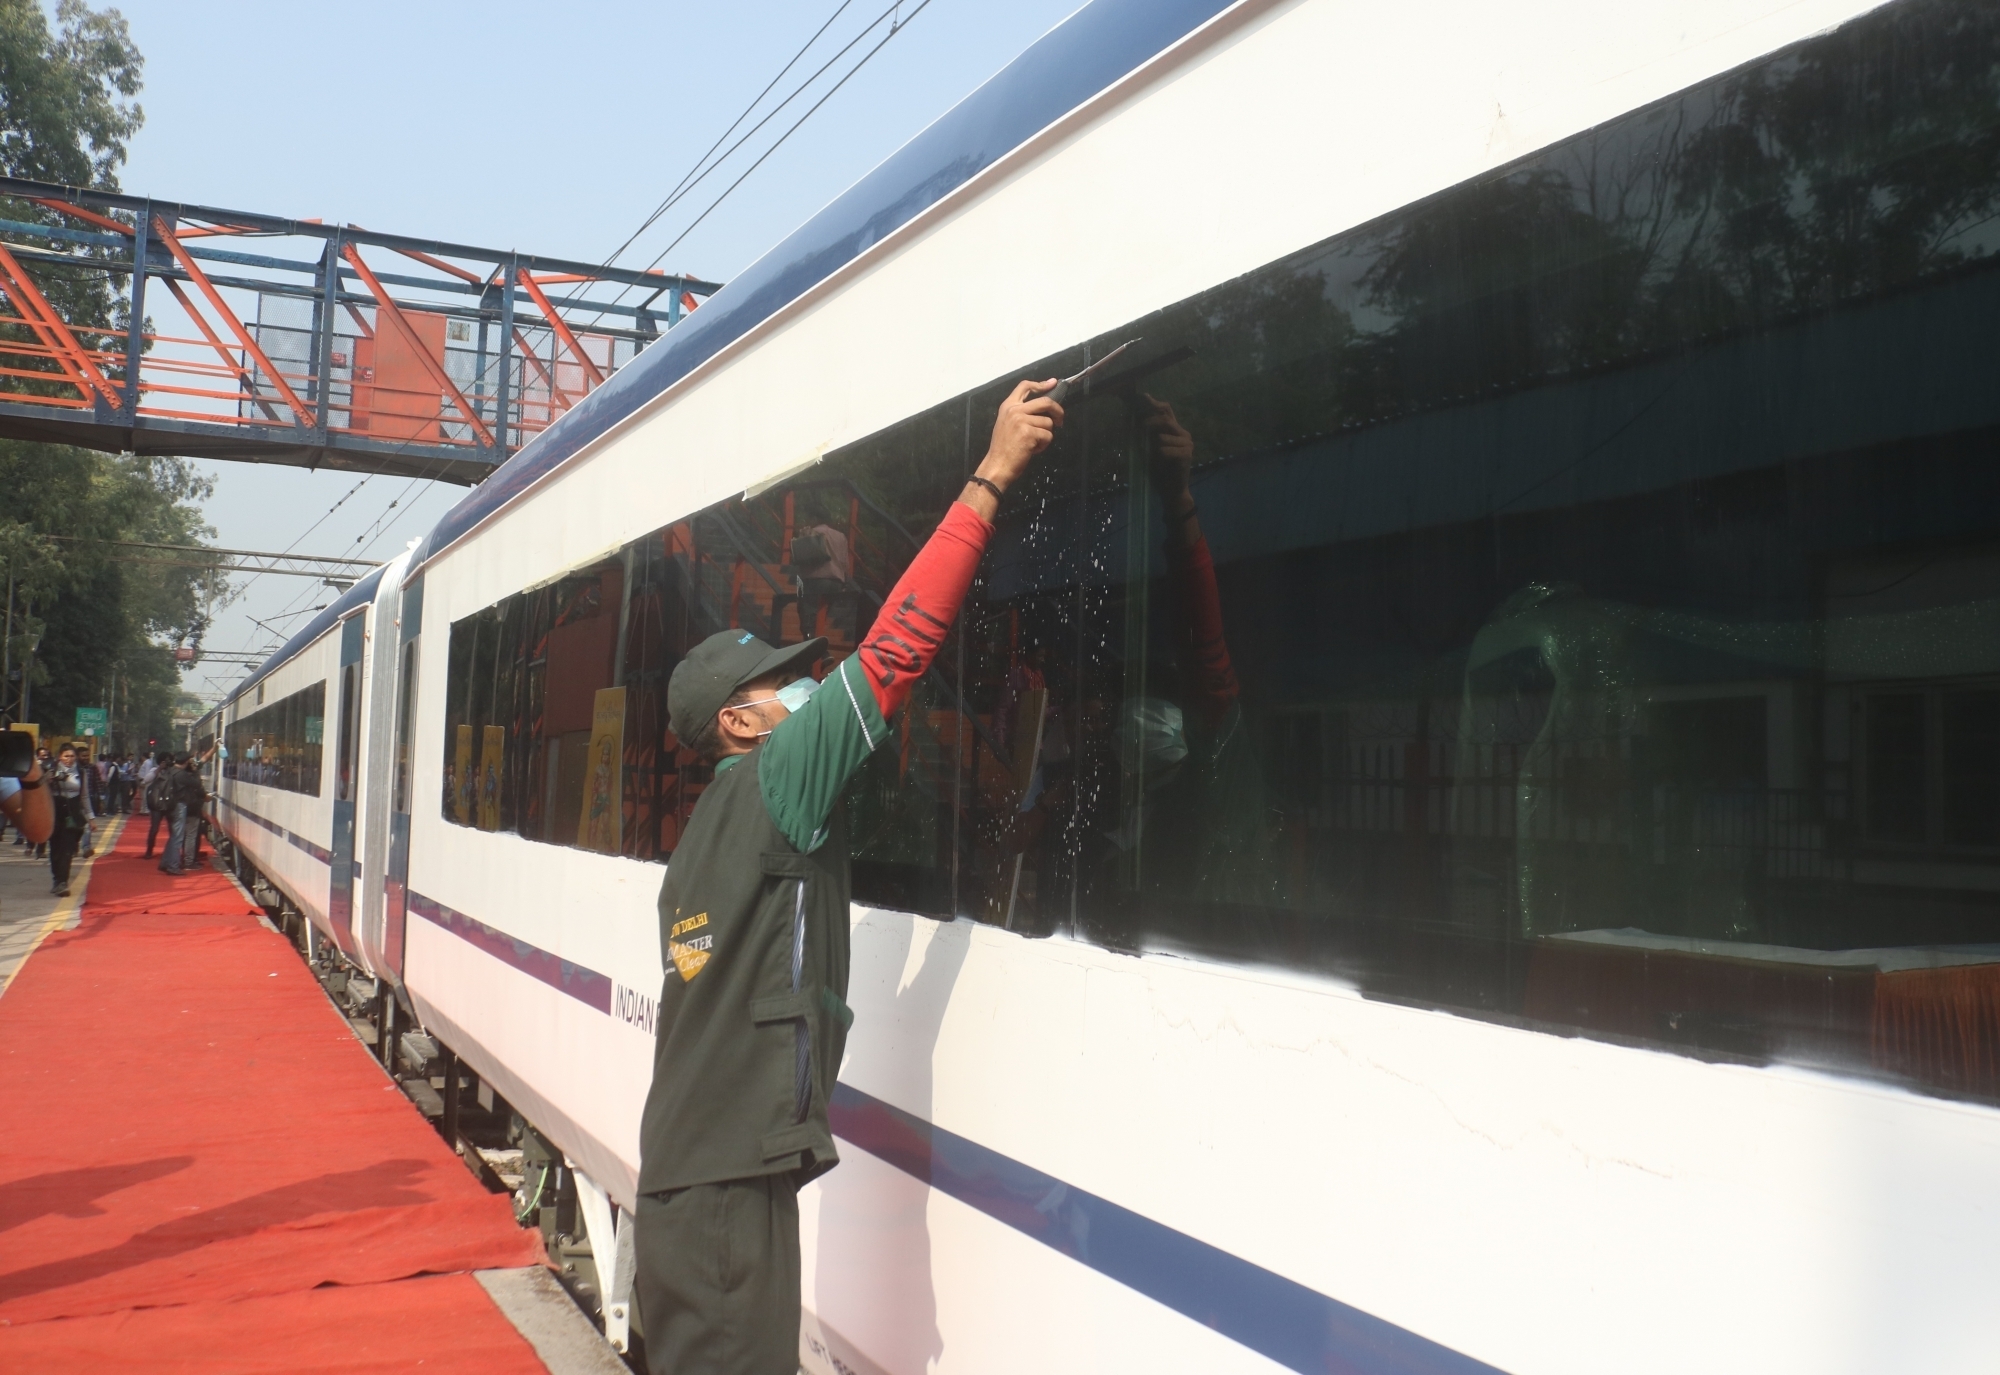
point(1541, 1203)
point(296, 871)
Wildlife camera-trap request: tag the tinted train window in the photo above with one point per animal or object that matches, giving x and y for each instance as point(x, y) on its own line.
point(1573, 600)
point(279, 744)
point(349, 751)
point(1581, 605)
point(555, 724)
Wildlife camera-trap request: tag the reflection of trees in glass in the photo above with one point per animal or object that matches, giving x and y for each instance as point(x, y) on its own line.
point(1506, 280)
point(1862, 163)
point(1271, 358)
point(1867, 161)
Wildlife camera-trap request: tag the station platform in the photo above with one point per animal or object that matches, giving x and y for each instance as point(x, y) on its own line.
point(206, 1171)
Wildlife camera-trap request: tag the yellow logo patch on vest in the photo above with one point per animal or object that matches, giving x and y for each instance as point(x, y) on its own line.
point(691, 954)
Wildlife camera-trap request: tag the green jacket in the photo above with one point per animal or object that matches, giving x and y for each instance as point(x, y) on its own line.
point(754, 936)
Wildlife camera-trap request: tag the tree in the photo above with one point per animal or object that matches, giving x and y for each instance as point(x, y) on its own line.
point(66, 115)
point(107, 625)
point(66, 109)
point(104, 628)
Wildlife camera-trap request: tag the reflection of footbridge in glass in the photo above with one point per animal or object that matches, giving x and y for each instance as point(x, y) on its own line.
point(316, 359)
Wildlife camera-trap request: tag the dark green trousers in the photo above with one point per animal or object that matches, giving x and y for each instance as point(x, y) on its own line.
point(718, 1278)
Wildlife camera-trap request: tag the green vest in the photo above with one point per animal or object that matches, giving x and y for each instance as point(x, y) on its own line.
point(753, 1014)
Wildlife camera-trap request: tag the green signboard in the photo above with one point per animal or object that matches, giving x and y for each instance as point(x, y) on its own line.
point(93, 721)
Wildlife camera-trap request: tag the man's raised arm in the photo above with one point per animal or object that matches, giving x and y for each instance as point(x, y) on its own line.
point(814, 753)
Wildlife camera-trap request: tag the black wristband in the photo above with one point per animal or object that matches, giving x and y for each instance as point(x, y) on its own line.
point(1185, 516)
point(998, 495)
point(28, 787)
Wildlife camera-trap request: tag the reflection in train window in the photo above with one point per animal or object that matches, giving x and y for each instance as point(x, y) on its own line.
point(279, 745)
point(555, 723)
point(1574, 600)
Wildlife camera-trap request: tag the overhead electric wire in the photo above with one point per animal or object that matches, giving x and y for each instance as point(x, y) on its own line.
point(672, 195)
point(378, 529)
point(898, 28)
point(898, 24)
point(239, 591)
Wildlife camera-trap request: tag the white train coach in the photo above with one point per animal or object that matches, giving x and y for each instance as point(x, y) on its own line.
point(1571, 941)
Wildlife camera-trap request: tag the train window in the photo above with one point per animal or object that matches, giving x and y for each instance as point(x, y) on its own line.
point(350, 733)
point(535, 713)
point(279, 745)
point(907, 809)
point(406, 714)
point(1573, 600)
point(1575, 610)
point(555, 724)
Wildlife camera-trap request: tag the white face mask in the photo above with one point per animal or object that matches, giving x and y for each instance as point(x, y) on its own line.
point(791, 696)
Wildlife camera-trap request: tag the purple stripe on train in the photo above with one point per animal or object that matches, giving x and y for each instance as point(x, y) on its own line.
point(318, 852)
point(585, 985)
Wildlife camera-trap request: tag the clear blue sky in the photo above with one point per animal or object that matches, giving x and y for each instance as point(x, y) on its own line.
point(550, 128)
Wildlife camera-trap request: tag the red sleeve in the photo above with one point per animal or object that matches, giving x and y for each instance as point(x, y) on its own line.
point(919, 611)
point(1212, 678)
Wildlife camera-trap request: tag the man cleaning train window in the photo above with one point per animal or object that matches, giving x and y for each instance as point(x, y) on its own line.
point(753, 928)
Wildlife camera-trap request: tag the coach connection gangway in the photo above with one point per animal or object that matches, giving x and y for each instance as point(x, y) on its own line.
point(313, 358)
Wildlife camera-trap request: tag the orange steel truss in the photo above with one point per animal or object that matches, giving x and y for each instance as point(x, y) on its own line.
point(256, 351)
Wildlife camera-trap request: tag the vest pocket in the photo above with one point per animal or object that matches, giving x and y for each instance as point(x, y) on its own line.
point(784, 1007)
point(835, 1008)
point(780, 865)
point(789, 1141)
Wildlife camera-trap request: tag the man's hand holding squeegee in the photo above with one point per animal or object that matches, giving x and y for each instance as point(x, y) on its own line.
point(1026, 425)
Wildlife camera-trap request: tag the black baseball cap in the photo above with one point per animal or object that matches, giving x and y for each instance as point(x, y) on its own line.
point(719, 665)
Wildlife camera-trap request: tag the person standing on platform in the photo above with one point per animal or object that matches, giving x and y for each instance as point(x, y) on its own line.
point(121, 785)
point(69, 790)
point(185, 796)
point(159, 798)
point(753, 930)
point(92, 771)
point(195, 793)
point(198, 819)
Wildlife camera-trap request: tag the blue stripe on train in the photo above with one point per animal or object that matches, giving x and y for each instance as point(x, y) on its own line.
point(318, 852)
point(584, 985)
point(1300, 1328)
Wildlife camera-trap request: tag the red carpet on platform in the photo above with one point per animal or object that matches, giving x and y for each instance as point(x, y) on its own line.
point(440, 1325)
point(126, 882)
point(190, 1122)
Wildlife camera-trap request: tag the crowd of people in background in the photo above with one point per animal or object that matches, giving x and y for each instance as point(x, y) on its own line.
point(166, 788)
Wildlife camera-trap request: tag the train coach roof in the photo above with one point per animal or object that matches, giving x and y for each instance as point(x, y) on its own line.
point(1086, 53)
point(362, 592)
